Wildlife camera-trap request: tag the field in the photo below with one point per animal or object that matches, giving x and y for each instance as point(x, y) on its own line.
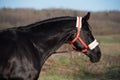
point(74, 66)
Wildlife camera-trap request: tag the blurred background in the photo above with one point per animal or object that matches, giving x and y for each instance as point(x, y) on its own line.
point(105, 23)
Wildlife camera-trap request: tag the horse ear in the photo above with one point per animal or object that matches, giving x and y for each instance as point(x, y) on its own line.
point(86, 17)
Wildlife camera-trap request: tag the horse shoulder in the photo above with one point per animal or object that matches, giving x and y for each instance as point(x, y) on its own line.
point(14, 58)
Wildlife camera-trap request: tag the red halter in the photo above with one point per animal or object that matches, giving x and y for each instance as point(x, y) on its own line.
point(79, 25)
point(91, 46)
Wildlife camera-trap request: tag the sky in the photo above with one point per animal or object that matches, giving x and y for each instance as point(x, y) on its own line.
point(89, 5)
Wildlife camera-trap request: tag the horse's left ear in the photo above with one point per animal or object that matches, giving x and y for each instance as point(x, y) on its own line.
point(86, 17)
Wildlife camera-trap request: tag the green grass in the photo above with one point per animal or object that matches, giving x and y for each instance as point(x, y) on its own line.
point(109, 38)
point(53, 77)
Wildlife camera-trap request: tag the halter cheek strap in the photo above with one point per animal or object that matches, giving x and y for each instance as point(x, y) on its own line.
point(79, 22)
point(91, 46)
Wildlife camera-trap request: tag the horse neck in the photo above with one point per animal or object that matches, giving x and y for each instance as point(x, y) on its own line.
point(57, 24)
point(50, 36)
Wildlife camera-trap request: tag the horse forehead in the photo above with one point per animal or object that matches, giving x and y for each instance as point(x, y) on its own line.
point(86, 26)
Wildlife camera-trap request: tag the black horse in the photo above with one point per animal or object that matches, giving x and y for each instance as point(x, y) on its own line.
point(24, 50)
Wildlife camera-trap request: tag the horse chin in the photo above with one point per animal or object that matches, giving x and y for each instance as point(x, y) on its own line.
point(94, 55)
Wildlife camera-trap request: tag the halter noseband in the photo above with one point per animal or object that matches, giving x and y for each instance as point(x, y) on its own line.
point(91, 46)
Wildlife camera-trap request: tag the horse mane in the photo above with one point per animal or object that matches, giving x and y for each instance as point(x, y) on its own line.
point(51, 20)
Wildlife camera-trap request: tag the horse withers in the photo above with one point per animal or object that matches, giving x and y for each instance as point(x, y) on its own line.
point(23, 50)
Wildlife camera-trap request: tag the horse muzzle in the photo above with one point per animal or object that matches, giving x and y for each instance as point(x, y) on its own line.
point(94, 54)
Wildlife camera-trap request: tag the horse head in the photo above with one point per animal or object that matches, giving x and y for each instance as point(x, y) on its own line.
point(84, 40)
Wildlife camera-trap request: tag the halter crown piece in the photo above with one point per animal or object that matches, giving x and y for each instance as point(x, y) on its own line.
point(91, 46)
